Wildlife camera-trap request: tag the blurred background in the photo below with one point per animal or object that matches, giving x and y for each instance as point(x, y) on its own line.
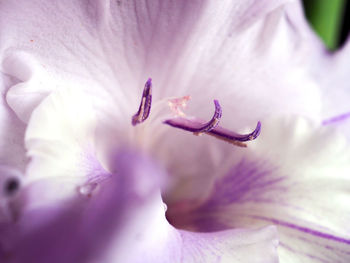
point(330, 19)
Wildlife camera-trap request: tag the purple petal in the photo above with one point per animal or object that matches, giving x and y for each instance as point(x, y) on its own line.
point(123, 222)
point(79, 229)
point(298, 182)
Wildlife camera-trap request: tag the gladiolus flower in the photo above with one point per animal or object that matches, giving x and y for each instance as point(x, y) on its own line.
point(99, 162)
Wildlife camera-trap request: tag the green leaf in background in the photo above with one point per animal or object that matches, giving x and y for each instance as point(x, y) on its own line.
point(326, 17)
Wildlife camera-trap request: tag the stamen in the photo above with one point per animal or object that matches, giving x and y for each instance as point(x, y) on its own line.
point(145, 105)
point(212, 128)
point(235, 138)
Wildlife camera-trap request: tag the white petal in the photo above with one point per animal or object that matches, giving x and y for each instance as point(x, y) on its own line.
point(294, 176)
point(60, 136)
point(230, 246)
point(12, 151)
point(241, 50)
point(123, 222)
point(333, 79)
point(29, 83)
point(330, 71)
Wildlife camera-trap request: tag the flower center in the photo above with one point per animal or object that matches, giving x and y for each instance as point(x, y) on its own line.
point(194, 125)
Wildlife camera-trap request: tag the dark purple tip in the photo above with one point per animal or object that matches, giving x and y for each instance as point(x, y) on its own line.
point(145, 104)
point(256, 132)
point(149, 82)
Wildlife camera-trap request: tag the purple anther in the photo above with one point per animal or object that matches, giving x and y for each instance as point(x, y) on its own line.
point(212, 128)
point(145, 105)
point(197, 126)
point(235, 138)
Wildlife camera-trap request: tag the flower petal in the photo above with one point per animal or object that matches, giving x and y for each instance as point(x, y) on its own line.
point(230, 246)
point(333, 78)
point(12, 151)
point(29, 83)
point(111, 47)
point(294, 176)
point(71, 199)
point(123, 222)
point(60, 136)
point(329, 70)
point(334, 83)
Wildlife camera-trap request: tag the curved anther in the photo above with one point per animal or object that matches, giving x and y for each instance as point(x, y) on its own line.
point(235, 138)
point(214, 122)
point(145, 106)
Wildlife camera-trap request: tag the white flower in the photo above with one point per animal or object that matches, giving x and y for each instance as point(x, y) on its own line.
point(72, 74)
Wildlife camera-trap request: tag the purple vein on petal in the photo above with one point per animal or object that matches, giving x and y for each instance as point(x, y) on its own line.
point(337, 118)
point(145, 106)
point(305, 230)
point(197, 126)
point(212, 128)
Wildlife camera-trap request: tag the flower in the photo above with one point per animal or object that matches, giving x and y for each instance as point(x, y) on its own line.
point(101, 166)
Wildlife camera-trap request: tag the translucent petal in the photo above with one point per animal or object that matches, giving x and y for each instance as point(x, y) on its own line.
point(296, 177)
